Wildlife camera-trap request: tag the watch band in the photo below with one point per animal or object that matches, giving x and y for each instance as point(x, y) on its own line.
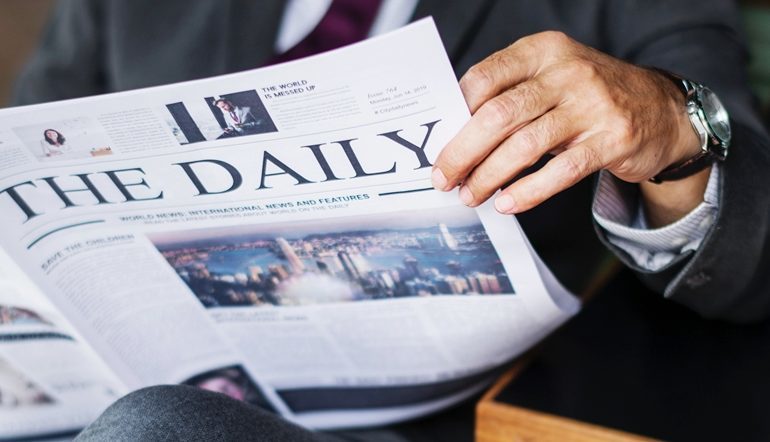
point(700, 161)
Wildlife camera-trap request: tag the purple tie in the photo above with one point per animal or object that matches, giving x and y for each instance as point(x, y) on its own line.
point(346, 22)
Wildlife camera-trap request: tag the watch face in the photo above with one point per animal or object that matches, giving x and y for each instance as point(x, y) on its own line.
point(716, 115)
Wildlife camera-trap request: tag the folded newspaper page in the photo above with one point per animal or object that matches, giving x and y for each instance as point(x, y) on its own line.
point(271, 235)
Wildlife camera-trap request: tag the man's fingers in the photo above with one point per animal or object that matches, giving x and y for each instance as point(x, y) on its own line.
point(562, 171)
point(508, 67)
point(497, 119)
point(517, 152)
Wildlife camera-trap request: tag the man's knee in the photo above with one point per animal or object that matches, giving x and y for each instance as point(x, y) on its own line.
point(184, 413)
point(152, 413)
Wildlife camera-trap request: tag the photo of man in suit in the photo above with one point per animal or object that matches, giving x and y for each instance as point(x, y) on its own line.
point(241, 113)
point(239, 120)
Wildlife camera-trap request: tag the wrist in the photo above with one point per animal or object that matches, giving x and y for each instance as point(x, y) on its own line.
point(686, 142)
point(668, 201)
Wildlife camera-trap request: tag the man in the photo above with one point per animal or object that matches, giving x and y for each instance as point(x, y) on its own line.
point(239, 119)
point(585, 93)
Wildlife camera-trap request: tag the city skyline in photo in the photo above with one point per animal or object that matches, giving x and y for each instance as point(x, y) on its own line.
point(387, 260)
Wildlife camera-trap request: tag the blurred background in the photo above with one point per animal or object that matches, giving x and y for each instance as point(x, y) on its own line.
point(756, 20)
point(22, 21)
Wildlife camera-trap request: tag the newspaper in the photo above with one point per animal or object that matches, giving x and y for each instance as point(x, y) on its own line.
point(271, 235)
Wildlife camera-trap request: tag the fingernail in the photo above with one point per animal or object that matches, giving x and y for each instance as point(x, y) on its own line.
point(466, 196)
point(505, 204)
point(438, 179)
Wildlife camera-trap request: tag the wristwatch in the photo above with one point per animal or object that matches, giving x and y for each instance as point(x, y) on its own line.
point(710, 121)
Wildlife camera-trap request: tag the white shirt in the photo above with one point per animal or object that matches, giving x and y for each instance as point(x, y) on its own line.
point(625, 225)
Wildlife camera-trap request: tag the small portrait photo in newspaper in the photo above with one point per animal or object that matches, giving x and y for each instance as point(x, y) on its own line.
point(14, 315)
point(220, 116)
point(232, 381)
point(74, 138)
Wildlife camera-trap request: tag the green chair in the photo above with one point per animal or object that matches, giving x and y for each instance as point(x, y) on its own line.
point(756, 21)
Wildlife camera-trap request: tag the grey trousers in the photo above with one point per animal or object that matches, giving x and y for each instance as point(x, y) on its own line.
point(184, 413)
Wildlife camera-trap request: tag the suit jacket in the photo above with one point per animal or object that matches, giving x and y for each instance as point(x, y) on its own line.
point(97, 46)
point(245, 119)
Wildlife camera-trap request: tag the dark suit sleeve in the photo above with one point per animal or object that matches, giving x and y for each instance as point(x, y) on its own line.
point(728, 276)
point(69, 61)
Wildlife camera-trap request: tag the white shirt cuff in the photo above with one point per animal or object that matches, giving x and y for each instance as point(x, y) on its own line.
point(652, 249)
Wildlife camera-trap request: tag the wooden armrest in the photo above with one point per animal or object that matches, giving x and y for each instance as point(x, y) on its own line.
point(501, 422)
point(498, 421)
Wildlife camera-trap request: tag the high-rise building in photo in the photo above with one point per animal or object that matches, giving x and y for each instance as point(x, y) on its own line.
point(255, 274)
point(449, 241)
point(329, 263)
point(296, 264)
point(349, 265)
point(412, 267)
point(361, 263)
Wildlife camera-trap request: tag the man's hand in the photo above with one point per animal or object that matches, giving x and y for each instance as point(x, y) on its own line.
point(547, 93)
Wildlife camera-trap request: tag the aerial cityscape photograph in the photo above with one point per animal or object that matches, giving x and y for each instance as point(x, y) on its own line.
point(434, 252)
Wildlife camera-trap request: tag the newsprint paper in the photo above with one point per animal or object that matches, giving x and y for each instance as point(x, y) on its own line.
point(271, 235)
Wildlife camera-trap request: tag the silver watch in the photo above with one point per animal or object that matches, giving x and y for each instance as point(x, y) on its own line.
point(710, 121)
